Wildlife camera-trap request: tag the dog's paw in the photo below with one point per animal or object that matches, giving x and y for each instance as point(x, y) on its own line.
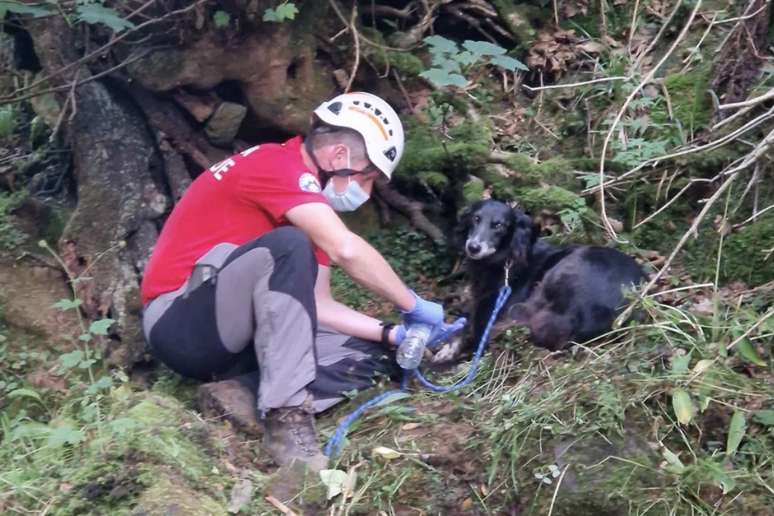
point(449, 352)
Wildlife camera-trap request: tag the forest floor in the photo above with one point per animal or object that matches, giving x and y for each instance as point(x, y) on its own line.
point(672, 415)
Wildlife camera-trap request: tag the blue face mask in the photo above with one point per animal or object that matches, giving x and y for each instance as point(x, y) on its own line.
point(350, 199)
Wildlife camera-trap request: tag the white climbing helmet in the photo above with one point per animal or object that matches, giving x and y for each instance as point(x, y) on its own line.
point(376, 122)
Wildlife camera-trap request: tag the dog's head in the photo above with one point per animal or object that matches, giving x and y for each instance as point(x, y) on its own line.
point(493, 231)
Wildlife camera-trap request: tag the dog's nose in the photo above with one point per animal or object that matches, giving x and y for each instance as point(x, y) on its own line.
point(474, 248)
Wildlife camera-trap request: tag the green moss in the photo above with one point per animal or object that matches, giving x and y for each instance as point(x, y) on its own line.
point(557, 171)
point(466, 148)
point(743, 253)
point(519, 19)
point(691, 104)
point(405, 62)
point(473, 190)
point(435, 180)
point(550, 197)
point(169, 495)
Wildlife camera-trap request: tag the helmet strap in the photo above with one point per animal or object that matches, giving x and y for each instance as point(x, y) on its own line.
point(325, 175)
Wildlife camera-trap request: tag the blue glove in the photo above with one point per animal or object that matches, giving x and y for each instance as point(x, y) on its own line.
point(424, 312)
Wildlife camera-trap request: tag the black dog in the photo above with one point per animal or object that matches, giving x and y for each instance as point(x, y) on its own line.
point(561, 293)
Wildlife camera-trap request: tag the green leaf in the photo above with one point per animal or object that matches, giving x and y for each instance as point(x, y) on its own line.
point(764, 417)
point(10, 6)
point(443, 78)
point(123, 425)
point(748, 353)
point(24, 393)
point(64, 435)
point(85, 337)
point(97, 13)
point(509, 63)
point(392, 398)
point(284, 11)
point(70, 360)
point(736, 430)
point(7, 119)
point(103, 383)
point(673, 460)
point(101, 327)
point(441, 44)
point(67, 304)
point(483, 48)
point(465, 58)
point(334, 479)
point(683, 406)
point(680, 363)
point(221, 19)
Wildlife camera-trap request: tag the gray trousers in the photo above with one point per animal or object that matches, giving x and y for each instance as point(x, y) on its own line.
point(249, 312)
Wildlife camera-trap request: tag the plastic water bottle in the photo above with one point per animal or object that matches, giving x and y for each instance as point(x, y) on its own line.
point(411, 350)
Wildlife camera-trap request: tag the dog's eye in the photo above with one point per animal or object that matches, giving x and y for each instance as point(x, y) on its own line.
point(497, 225)
point(476, 219)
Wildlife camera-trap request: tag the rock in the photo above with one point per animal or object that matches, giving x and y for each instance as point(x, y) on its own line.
point(199, 107)
point(224, 124)
point(27, 295)
point(169, 495)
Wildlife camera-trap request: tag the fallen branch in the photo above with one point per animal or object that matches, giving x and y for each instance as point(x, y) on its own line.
point(575, 84)
point(751, 102)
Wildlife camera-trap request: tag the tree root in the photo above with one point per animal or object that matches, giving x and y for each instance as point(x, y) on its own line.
point(411, 209)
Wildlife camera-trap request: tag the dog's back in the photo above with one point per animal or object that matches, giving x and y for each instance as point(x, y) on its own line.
point(579, 297)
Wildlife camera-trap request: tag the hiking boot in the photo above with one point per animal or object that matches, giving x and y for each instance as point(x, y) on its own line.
point(290, 435)
point(231, 401)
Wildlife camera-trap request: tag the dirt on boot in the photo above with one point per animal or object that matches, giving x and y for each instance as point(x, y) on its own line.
point(290, 435)
point(230, 401)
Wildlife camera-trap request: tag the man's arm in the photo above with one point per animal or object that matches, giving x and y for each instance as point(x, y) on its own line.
point(340, 317)
point(362, 262)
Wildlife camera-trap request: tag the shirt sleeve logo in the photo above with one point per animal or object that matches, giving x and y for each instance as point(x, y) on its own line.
point(308, 183)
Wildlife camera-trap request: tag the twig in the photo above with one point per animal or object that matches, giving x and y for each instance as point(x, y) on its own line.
point(744, 17)
point(646, 80)
point(655, 40)
point(556, 14)
point(284, 509)
point(732, 174)
point(411, 209)
point(556, 490)
point(695, 49)
point(575, 84)
point(750, 329)
point(87, 57)
point(344, 20)
point(752, 217)
point(70, 100)
point(671, 201)
point(633, 26)
point(709, 146)
point(751, 102)
point(356, 39)
point(402, 89)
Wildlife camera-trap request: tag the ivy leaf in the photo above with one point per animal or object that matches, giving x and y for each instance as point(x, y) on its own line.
point(70, 360)
point(764, 417)
point(221, 19)
point(100, 327)
point(465, 58)
point(96, 13)
point(284, 11)
point(508, 63)
point(736, 430)
point(441, 44)
point(443, 78)
point(64, 435)
point(10, 6)
point(483, 48)
point(67, 304)
point(683, 406)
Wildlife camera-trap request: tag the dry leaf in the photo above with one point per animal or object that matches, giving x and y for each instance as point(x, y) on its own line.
point(385, 453)
point(410, 426)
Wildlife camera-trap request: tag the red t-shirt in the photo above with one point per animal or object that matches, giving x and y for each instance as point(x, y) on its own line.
point(235, 201)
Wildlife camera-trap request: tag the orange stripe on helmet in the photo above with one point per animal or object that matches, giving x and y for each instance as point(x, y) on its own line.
point(373, 118)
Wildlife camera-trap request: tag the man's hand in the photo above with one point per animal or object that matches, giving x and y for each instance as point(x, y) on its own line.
point(423, 312)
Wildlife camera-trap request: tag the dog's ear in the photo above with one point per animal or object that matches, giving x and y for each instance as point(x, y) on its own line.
point(463, 225)
point(523, 238)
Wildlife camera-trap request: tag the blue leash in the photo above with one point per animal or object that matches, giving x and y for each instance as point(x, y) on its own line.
point(334, 445)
